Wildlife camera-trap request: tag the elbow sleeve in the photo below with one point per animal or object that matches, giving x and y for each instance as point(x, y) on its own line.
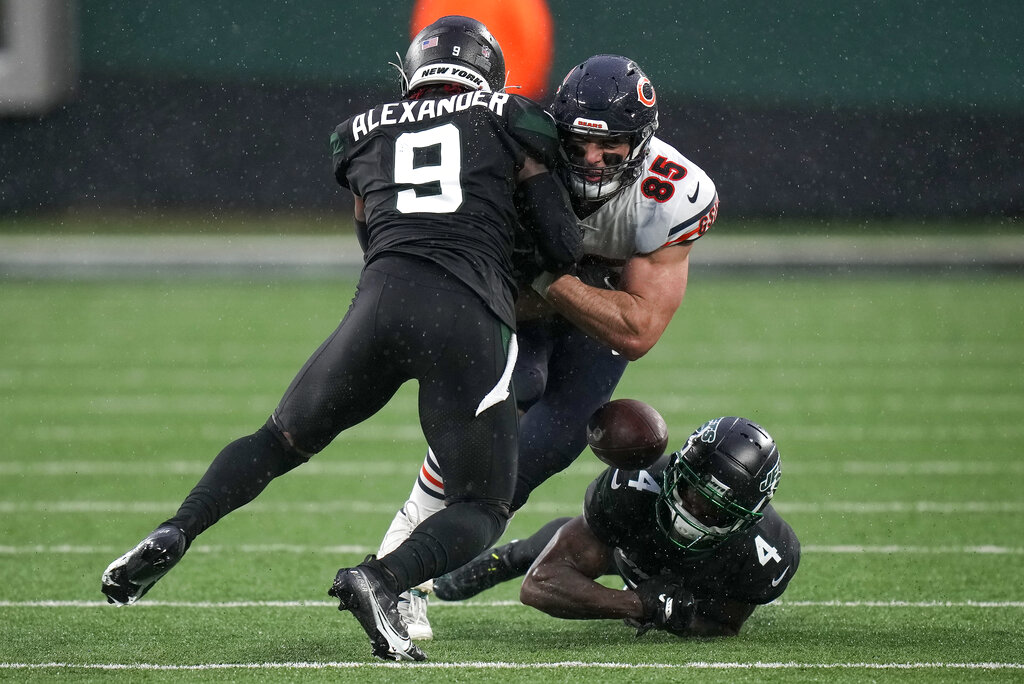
point(544, 212)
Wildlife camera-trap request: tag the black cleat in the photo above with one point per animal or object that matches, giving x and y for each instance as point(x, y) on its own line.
point(361, 591)
point(129, 577)
point(487, 570)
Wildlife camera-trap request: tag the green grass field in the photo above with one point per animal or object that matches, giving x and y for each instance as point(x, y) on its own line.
point(897, 403)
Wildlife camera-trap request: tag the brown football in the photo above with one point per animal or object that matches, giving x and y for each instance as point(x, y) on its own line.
point(627, 434)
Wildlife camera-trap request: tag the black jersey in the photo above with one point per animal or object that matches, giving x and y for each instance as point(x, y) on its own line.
point(437, 177)
point(753, 566)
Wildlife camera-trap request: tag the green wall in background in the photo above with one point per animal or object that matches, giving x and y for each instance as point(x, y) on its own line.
point(888, 54)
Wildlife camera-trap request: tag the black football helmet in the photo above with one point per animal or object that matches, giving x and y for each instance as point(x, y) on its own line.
point(454, 49)
point(719, 483)
point(606, 96)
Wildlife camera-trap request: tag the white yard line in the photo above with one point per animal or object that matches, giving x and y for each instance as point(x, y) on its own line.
point(557, 508)
point(402, 466)
point(490, 604)
point(888, 549)
point(516, 666)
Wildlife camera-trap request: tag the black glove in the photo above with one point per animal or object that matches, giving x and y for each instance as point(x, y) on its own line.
point(592, 271)
point(667, 605)
point(526, 263)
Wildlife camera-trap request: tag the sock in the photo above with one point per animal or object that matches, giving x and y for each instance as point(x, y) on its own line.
point(237, 475)
point(418, 507)
point(446, 540)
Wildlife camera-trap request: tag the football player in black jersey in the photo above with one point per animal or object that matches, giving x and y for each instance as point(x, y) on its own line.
point(694, 537)
point(442, 180)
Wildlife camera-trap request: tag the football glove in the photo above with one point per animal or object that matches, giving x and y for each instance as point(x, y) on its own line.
point(597, 274)
point(667, 605)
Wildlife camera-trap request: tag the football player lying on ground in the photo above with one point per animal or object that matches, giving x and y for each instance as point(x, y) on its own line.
point(442, 181)
point(642, 205)
point(694, 537)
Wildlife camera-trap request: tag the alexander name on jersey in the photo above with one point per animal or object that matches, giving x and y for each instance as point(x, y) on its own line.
point(413, 111)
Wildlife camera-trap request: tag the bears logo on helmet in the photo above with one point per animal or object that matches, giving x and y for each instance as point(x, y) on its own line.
point(607, 96)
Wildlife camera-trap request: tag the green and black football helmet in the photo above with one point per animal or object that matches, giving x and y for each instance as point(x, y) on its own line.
point(454, 49)
point(606, 96)
point(719, 483)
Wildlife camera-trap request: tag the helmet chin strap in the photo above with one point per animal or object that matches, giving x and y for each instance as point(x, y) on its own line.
point(593, 191)
point(607, 186)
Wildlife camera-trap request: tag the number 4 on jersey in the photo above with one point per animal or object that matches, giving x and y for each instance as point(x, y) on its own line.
point(765, 551)
point(643, 482)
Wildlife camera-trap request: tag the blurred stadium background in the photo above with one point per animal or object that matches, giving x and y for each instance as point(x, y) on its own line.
point(861, 110)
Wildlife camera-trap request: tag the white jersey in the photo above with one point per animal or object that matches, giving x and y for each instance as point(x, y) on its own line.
point(672, 202)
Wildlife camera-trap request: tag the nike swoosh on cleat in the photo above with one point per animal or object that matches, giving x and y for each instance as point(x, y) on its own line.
point(775, 582)
point(693, 197)
point(399, 646)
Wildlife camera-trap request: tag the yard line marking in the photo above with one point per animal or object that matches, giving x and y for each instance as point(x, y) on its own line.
point(493, 604)
point(698, 665)
point(71, 549)
point(902, 507)
point(566, 508)
point(402, 465)
point(900, 604)
point(201, 548)
point(896, 548)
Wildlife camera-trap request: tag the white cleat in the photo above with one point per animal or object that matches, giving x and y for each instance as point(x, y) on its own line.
point(412, 606)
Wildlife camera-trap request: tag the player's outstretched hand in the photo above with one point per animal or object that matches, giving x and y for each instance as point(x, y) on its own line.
point(667, 605)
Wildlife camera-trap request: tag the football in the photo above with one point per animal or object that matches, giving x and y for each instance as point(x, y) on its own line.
point(627, 434)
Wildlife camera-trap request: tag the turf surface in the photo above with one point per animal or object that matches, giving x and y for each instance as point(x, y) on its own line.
point(896, 401)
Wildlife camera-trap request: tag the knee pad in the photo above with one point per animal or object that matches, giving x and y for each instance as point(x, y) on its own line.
point(284, 441)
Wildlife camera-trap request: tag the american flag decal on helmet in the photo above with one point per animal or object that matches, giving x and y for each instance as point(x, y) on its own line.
point(429, 43)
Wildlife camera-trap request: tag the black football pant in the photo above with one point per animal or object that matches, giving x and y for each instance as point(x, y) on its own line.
point(409, 319)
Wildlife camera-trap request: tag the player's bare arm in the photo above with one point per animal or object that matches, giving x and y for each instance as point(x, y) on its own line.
point(561, 581)
point(631, 319)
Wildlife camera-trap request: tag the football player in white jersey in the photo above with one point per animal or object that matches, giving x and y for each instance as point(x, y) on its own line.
point(642, 205)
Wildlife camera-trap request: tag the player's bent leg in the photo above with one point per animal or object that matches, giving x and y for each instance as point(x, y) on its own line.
point(489, 569)
point(235, 477)
point(496, 565)
point(446, 540)
point(552, 433)
point(425, 499)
